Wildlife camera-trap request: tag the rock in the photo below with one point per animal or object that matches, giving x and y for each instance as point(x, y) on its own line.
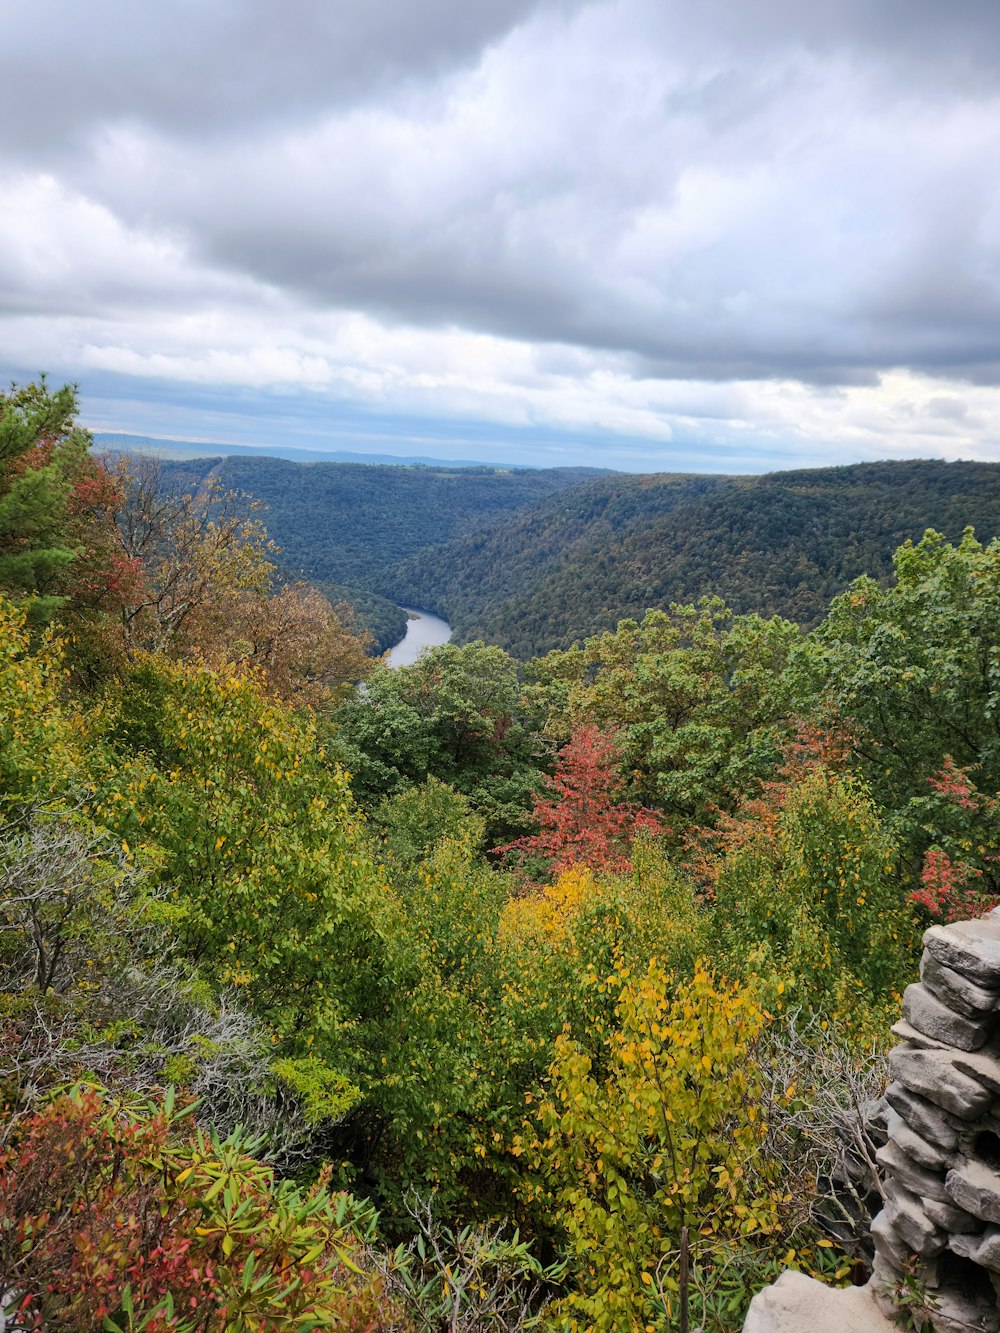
point(956, 990)
point(975, 1187)
point(895, 1251)
point(931, 1156)
point(917, 1179)
point(969, 947)
point(983, 1249)
point(983, 1066)
point(955, 1311)
point(934, 1074)
point(928, 1015)
point(795, 1303)
point(950, 1218)
point(923, 1117)
point(907, 1217)
point(885, 1277)
point(907, 1032)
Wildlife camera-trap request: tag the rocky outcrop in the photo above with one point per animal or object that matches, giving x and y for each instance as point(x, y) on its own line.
point(937, 1238)
point(940, 1227)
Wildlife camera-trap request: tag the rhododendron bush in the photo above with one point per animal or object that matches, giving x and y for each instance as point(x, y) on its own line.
point(113, 1212)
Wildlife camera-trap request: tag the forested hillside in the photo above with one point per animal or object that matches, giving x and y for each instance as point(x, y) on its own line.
point(781, 544)
point(496, 995)
point(346, 525)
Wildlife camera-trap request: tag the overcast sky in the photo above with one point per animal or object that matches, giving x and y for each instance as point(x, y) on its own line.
point(703, 234)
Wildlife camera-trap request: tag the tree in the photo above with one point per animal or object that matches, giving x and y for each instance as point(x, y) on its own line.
point(659, 1130)
point(456, 714)
point(580, 821)
point(299, 643)
point(199, 553)
point(914, 669)
point(54, 500)
point(698, 699)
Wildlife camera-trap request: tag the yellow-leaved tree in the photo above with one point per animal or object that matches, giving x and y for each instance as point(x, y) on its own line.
point(660, 1130)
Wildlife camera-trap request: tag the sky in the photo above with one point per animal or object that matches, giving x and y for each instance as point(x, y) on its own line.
point(708, 235)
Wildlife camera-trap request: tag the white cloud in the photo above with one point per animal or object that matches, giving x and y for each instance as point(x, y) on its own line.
point(643, 218)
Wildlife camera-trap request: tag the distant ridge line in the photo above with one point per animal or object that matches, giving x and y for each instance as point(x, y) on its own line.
point(183, 449)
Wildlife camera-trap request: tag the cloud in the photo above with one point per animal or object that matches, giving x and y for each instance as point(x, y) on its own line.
point(521, 211)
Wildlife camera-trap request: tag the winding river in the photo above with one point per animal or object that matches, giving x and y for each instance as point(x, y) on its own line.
point(422, 631)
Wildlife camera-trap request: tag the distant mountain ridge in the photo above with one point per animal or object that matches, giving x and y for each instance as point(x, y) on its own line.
point(194, 449)
point(783, 543)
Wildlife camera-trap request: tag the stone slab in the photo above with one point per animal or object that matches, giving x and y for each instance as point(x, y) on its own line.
point(800, 1304)
point(983, 1249)
point(935, 1075)
point(910, 1222)
point(975, 1187)
point(924, 1118)
point(956, 990)
point(907, 1032)
point(969, 947)
point(930, 1016)
point(917, 1179)
point(931, 1156)
point(949, 1217)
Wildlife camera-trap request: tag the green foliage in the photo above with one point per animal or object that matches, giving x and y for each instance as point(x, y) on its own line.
point(806, 889)
point(416, 819)
point(381, 617)
point(658, 1131)
point(41, 457)
point(271, 886)
point(700, 701)
point(326, 1095)
point(915, 669)
point(612, 547)
point(379, 514)
point(38, 733)
point(457, 715)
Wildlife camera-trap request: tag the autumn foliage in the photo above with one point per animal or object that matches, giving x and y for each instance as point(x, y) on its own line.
point(580, 819)
point(113, 1214)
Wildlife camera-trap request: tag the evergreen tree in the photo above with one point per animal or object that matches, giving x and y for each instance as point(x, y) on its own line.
point(42, 455)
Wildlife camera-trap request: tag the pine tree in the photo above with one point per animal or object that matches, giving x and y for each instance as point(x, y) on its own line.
point(42, 454)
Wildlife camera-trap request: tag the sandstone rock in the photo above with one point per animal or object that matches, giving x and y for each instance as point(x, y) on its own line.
point(898, 1255)
point(951, 1218)
point(796, 1303)
point(910, 1222)
point(919, 1181)
point(928, 1015)
point(955, 1311)
point(975, 1187)
point(934, 1074)
point(931, 1156)
point(905, 1031)
point(969, 947)
point(956, 990)
point(923, 1117)
point(983, 1249)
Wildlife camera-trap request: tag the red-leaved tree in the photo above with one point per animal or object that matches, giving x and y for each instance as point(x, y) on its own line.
point(580, 819)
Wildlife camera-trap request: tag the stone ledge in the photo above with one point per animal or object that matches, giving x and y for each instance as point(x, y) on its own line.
point(800, 1304)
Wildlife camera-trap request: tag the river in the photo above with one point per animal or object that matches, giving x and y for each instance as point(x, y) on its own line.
point(422, 631)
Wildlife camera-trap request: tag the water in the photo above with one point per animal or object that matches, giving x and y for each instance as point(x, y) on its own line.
point(422, 631)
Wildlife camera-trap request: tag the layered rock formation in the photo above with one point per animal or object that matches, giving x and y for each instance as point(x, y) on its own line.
point(939, 1231)
point(937, 1238)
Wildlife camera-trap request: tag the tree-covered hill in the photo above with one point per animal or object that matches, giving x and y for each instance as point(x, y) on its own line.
point(350, 522)
point(347, 526)
point(578, 561)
